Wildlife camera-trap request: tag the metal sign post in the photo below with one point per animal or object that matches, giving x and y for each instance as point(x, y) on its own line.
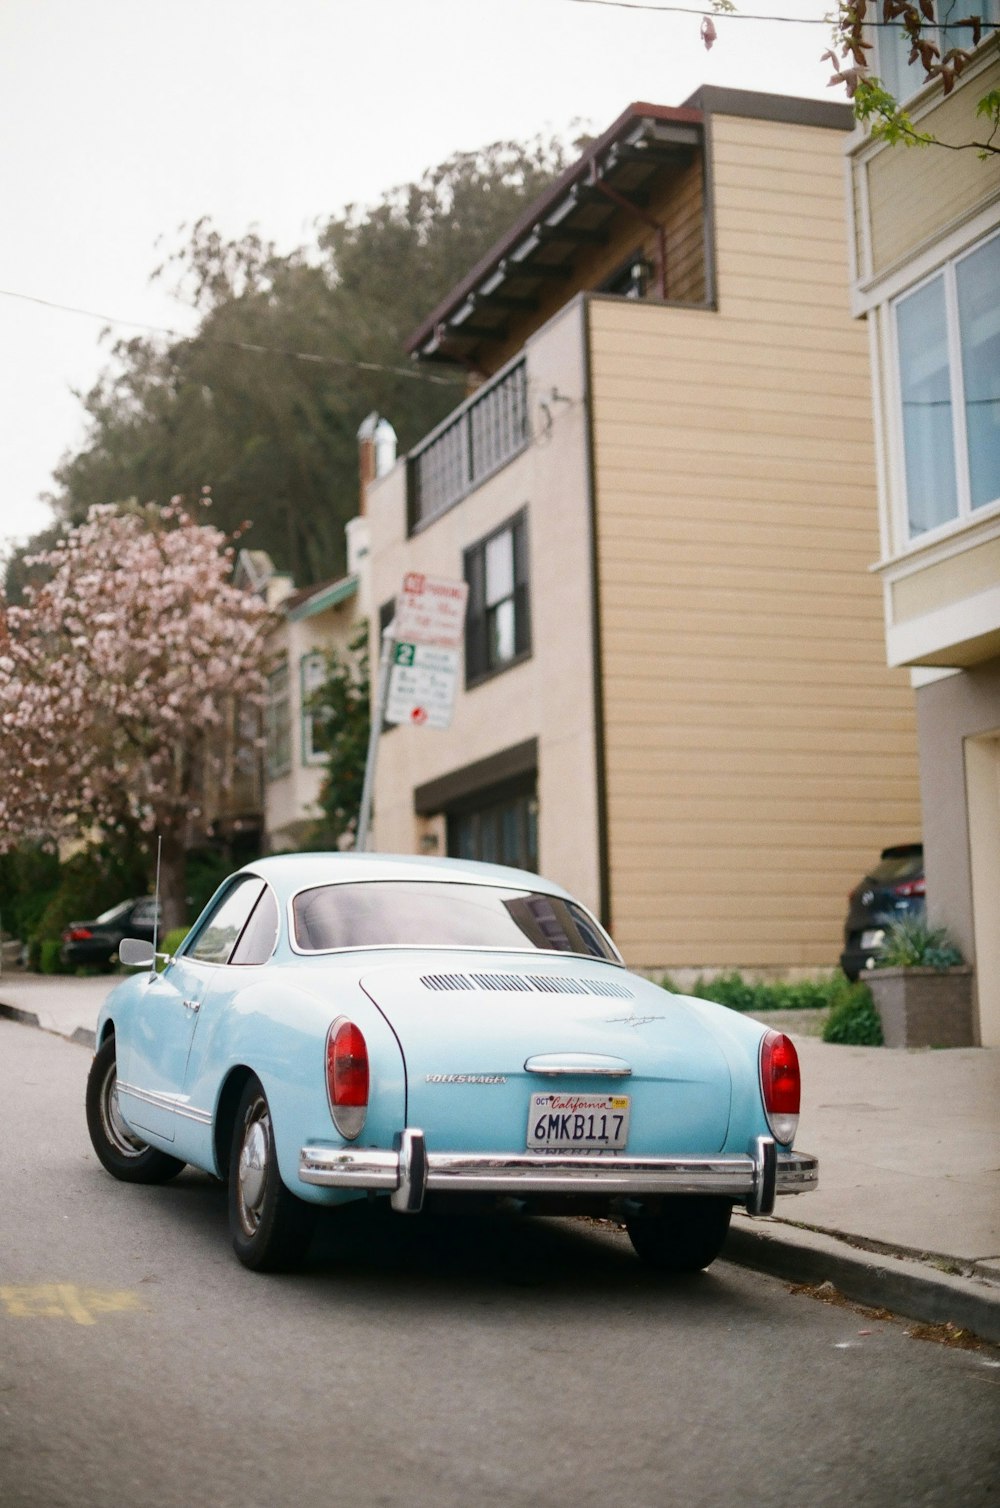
point(418, 669)
point(382, 696)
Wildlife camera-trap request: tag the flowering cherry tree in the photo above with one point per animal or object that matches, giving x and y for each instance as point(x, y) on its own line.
point(118, 681)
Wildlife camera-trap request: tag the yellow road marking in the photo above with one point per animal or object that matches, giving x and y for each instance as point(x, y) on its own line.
point(66, 1301)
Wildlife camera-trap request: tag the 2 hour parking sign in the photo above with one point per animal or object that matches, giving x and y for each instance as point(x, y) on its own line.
point(422, 685)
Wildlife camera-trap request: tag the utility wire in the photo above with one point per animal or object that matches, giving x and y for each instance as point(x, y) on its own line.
point(741, 15)
point(415, 374)
point(694, 10)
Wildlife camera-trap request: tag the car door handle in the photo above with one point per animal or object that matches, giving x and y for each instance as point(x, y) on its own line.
point(192, 1005)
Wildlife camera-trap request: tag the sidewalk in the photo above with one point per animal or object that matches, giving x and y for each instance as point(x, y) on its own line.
point(907, 1213)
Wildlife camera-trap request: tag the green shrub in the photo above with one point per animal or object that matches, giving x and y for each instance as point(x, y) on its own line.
point(852, 1018)
point(854, 1021)
point(204, 871)
point(910, 943)
point(744, 995)
point(29, 877)
point(49, 961)
point(172, 940)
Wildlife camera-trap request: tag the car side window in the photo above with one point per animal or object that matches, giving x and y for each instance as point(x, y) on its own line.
point(222, 928)
point(257, 940)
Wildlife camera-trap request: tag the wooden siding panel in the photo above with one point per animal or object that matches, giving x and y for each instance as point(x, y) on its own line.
point(914, 195)
point(759, 753)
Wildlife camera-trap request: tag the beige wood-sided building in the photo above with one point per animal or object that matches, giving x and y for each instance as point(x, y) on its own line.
point(926, 275)
point(661, 491)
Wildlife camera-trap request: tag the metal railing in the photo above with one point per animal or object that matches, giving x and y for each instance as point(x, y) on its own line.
point(483, 435)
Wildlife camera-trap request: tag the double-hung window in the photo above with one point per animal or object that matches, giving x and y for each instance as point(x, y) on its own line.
point(893, 46)
point(948, 352)
point(497, 625)
point(312, 674)
point(278, 722)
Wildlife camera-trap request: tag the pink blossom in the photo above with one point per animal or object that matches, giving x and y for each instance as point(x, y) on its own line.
point(117, 674)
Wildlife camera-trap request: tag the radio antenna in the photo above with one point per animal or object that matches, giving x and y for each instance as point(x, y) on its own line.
point(156, 904)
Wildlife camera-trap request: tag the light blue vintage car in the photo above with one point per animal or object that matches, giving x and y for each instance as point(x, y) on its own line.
point(441, 1034)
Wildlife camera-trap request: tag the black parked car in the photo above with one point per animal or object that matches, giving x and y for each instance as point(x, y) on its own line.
point(892, 890)
point(97, 941)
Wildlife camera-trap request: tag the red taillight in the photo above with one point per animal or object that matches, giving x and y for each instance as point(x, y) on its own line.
point(910, 887)
point(78, 934)
point(780, 1084)
point(347, 1076)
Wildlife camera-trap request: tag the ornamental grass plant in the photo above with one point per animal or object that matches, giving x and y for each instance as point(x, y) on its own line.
point(911, 944)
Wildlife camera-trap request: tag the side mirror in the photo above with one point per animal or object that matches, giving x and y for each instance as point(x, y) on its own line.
point(136, 954)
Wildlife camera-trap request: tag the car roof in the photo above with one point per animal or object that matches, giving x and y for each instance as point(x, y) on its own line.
point(289, 872)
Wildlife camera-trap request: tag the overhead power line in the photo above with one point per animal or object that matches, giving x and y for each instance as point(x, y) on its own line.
point(415, 374)
point(703, 11)
point(711, 14)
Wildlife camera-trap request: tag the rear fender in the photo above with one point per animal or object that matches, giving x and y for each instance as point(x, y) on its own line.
point(285, 1047)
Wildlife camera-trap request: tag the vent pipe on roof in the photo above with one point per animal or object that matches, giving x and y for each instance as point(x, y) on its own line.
point(376, 453)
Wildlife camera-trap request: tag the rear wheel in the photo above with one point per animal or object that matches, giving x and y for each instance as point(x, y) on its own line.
point(685, 1236)
point(269, 1225)
point(124, 1154)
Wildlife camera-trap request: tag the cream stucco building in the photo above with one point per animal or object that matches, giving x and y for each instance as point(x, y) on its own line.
point(661, 491)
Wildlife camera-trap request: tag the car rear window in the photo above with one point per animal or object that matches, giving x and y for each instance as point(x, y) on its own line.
point(420, 913)
point(889, 871)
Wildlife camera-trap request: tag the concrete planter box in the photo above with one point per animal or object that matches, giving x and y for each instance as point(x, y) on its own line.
point(924, 1007)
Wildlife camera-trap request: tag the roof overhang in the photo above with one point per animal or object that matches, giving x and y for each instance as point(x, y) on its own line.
point(313, 600)
point(644, 143)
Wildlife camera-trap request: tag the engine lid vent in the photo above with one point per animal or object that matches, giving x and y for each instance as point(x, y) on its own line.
point(545, 984)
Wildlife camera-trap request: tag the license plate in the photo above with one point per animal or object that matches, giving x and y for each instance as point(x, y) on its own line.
point(578, 1122)
point(873, 939)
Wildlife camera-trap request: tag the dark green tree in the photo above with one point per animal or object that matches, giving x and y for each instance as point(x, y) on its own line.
point(263, 403)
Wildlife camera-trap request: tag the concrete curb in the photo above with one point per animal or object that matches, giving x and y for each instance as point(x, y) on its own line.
point(903, 1284)
point(906, 1283)
point(82, 1035)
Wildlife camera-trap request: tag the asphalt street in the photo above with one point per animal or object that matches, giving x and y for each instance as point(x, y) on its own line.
point(907, 1213)
point(438, 1362)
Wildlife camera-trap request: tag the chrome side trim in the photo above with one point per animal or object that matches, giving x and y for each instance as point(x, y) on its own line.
point(411, 1171)
point(172, 1103)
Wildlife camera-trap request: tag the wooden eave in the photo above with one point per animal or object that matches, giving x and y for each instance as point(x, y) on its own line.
point(645, 146)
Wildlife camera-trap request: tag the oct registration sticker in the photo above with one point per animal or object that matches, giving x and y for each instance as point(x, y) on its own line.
point(578, 1122)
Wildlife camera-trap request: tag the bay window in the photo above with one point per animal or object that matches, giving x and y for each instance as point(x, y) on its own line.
point(948, 352)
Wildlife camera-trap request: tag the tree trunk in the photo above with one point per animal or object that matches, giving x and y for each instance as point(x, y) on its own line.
point(173, 900)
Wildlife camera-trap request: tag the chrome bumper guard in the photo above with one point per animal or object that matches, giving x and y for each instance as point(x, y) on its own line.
point(410, 1172)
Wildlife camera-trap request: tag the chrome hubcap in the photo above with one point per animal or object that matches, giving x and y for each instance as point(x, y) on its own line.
point(253, 1168)
point(118, 1133)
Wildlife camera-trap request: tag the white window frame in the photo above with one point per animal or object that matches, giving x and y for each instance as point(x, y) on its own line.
point(965, 514)
point(279, 721)
point(312, 674)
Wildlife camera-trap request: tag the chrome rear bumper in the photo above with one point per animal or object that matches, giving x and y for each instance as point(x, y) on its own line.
point(410, 1172)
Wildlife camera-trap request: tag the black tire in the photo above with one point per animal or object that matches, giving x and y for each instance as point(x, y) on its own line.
point(685, 1236)
point(125, 1155)
point(270, 1227)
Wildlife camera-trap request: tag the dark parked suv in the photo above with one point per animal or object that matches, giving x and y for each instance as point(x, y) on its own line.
point(890, 891)
point(97, 941)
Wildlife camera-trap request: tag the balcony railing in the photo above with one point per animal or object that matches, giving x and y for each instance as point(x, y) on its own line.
point(483, 435)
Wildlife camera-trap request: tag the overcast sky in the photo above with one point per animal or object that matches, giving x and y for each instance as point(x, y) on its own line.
point(122, 120)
